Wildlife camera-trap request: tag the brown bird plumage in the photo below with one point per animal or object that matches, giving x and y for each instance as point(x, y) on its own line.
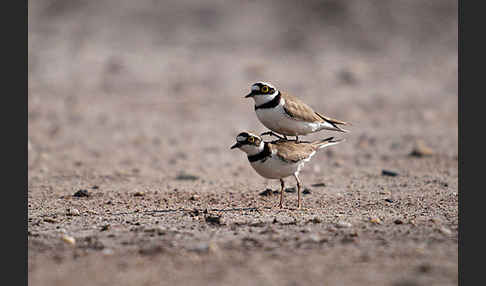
point(298, 110)
point(293, 151)
point(281, 158)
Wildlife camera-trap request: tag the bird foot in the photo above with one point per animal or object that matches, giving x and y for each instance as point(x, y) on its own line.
point(271, 133)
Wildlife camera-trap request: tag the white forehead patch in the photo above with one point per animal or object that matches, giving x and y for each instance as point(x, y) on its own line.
point(255, 88)
point(241, 138)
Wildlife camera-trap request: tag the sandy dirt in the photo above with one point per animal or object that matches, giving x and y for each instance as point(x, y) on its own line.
point(133, 108)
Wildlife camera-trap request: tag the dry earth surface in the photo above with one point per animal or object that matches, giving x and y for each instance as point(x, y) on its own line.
point(133, 106)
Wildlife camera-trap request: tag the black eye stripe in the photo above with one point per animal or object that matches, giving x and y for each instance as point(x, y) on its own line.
point(243, 134)
point(249, 142)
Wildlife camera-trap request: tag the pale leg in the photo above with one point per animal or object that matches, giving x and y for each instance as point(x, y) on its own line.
point(282, 184)
point(299, 187)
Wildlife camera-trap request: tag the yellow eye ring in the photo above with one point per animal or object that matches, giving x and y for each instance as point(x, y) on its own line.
point(251, 139)
point(265, 89)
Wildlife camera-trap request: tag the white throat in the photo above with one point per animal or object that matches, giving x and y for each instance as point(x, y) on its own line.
point(264, 98)
point(251, 150)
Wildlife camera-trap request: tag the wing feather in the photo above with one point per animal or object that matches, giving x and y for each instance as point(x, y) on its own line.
point(292, 151)
point(298, 110)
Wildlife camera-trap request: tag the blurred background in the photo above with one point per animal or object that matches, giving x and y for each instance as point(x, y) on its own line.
point(138, 102)
point(143, 82)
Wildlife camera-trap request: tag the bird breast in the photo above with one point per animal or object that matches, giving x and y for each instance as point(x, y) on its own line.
point(275, 168)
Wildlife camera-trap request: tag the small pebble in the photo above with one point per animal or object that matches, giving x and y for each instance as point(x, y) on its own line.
point(421, 150)
point(318, 185)
point(343, 224)
point(389, 173)
point(213, 219)
point(50, 220)
point(161, 231)
point(305, 230)
point(72, 212)
point(290, 190)
point(82, 193)
point(186, 177)
point(314, 237)
point(354, 234)
point(398, 221)
point(194, 198)
point(105, 227)
point(139, 194)
point(68, 239)
point(306, 191)
point(445, 230)
point(389, 200)
point(375, 220)
point(315, 220)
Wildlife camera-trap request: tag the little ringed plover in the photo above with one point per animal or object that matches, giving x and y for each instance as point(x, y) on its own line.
point(281, 158)
point(286, 114)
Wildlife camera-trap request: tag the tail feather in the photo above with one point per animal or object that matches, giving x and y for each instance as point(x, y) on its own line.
point(327, 142)
point(333, 123)
point(332, 127)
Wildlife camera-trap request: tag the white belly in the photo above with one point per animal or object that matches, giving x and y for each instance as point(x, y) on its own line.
point(278, 121)
point(274, 168)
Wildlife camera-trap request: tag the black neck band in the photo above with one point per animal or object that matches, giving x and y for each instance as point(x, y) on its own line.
point(262, 155)
point(271, 104)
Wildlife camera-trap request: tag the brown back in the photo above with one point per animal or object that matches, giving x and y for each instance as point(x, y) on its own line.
point(292, 151)
point(301, 111)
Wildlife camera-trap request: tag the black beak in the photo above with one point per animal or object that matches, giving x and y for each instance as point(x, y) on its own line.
point(250, 94)
point(237, 145)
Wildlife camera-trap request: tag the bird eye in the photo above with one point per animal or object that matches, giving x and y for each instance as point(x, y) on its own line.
point(251, 139)
point(265, 89)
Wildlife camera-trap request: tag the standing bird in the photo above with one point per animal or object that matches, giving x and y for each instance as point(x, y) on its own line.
point(279, 159)
point(286, 114)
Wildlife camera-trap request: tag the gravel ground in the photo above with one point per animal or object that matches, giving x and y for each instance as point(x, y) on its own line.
point(133, 108)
